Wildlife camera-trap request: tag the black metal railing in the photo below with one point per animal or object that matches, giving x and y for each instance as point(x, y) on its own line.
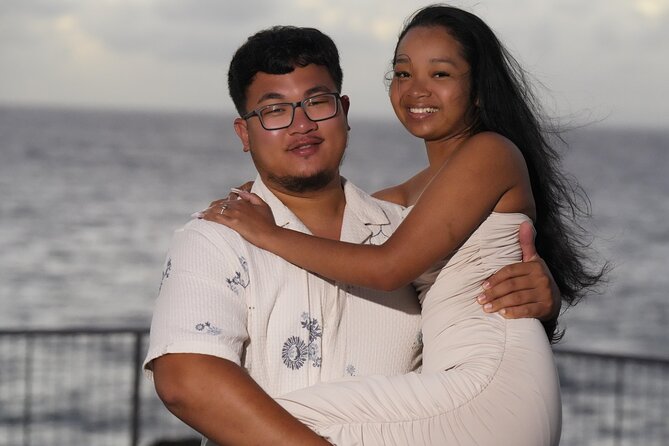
point(613, 400)
point(77, 387)
point(85, 386)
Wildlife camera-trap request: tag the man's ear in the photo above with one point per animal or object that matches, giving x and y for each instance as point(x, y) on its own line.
point(242, 132)
point(345, 104)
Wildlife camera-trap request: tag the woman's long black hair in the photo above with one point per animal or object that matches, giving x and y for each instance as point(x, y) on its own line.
point(503, 102)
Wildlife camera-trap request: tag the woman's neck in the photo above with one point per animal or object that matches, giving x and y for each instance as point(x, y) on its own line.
point(438, 152)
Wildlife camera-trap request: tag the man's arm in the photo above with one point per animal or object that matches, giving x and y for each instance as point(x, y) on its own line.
point(524, 289)
point(198, 333)
point(220, 400)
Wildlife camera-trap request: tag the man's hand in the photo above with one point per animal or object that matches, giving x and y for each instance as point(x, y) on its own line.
point(523, 289)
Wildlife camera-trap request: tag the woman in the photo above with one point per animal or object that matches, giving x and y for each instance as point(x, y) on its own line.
point(485, 379)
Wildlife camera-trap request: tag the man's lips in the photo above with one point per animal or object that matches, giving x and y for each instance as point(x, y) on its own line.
point(305, 146)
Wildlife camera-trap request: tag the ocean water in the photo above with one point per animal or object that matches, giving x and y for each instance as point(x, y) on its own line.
point(90, 200)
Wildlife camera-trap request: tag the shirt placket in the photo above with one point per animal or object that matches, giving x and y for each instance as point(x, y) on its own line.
point(333, 345)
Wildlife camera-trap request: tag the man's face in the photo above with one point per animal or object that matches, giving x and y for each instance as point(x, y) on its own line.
point(305, 155)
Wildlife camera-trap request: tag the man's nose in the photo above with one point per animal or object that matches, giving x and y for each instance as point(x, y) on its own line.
point(301, 121)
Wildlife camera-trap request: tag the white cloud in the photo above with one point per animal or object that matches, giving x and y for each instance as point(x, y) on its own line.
point(652, 8)
point(606, 58)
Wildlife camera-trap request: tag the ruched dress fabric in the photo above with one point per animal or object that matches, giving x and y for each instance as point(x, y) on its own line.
point(485, 380)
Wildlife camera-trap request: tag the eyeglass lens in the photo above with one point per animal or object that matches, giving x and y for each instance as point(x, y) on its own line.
point(317, 108)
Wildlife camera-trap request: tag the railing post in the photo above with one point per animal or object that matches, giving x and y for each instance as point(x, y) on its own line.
point(618, 399)
point(27, 388)
point(137, 364)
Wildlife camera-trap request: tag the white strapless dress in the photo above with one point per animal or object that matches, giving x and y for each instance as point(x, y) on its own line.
point(485, 380)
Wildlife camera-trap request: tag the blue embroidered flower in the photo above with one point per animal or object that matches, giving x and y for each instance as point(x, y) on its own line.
point(418, 343)
point(312, 327)
point(208, 328)
point(315, 332)
point(294, 353)
point(314, 354)
point(166, 273)
point(240, 278)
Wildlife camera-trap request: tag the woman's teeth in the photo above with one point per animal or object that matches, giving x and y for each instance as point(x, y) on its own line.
point(423, 110)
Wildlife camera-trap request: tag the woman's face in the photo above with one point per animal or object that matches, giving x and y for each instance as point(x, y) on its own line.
point(430, 89)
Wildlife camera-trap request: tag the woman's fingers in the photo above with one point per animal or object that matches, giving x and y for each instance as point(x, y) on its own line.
point(216, 211)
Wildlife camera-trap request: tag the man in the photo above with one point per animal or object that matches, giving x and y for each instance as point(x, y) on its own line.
point(235, 325)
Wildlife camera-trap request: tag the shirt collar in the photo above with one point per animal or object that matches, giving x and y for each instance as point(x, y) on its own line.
point(363, 216)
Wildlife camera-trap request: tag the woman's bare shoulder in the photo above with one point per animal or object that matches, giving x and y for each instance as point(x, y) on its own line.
point(403, 194)
point(492, 150)
point(394, 194)
point(491, 140)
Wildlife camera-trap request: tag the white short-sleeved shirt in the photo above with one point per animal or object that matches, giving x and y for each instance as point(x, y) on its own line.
point(289, 328)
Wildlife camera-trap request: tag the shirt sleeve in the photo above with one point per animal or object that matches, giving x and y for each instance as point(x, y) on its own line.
point(201, 306)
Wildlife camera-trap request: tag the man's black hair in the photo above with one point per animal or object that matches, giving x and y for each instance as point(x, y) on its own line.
point(279, 50)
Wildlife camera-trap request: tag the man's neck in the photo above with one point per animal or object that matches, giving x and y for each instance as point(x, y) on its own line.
point(321, 211)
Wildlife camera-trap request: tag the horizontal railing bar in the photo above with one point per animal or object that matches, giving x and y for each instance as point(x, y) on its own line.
point(145, 331)
point(74, 331)
point(613, 356)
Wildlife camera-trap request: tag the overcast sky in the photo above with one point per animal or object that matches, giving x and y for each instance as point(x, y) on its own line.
point(599, 60)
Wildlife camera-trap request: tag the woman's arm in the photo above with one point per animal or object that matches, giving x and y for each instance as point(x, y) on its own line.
point(459, 198)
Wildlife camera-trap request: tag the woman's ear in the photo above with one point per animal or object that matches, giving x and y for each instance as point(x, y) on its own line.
point(242, 132)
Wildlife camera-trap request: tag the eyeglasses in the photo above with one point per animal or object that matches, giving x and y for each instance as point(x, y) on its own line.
point(279, 116)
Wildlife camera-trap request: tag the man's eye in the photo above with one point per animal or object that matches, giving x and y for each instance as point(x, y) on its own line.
point(316, 102)
point(275, 109)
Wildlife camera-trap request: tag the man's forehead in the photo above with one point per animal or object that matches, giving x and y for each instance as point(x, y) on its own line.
point(302, 82)
point(271, 95)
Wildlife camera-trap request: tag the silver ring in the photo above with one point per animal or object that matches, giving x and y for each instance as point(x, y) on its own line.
point(223, 208)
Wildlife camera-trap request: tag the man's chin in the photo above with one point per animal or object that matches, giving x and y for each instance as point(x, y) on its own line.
point(301, 184)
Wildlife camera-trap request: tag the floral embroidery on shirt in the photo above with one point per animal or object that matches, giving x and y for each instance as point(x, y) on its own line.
point(315, 333)
point(418, 343)
point(208, 328)
point(350, 370)
point(313, 350)
point(312, 326)
point(294, 353)
point(241, 278)
point(166, 273)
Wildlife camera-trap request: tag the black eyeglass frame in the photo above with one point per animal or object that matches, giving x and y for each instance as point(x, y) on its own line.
point(294, 105)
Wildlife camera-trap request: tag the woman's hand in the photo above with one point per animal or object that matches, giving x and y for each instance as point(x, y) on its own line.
point(246, 187)
point(249, 215)
point(235, 192)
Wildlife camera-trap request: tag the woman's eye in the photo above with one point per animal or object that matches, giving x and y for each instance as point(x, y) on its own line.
point(441, 74)
point(401, 74)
